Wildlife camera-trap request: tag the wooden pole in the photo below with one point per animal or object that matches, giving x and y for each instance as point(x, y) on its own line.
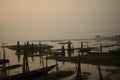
point(101, 48)
point(46, 61)
point(4, 65)
point(79, 77)
point(57, 68)
point(100, 73)
point(25, 58)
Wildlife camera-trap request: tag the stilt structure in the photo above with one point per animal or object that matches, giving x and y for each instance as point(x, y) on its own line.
point(98, 65)
point(63, 50)
point(101, 48)
point(32, 51)
point(69, 49)
point(57, 68)
point(18, 51)
point(25, 58)
point(79, 77)
point(40, 54)
point(99, 70)
point(82, 52)
point(73, 50)
point(4, 64)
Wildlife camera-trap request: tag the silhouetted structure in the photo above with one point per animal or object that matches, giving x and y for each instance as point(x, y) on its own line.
point(30, 75)
point(57, 68)
point(69, 50)
point(4, 64)
point(98, 38)
point(99, 70)
point(82, 51)
point(63, 50)
point(101, 49)
point(32, 51)
point(40, 48)
point(18, 52)
point(40, 54)
point(73, 50)
point(25, 58)
point(97, 63)
point(79, 77)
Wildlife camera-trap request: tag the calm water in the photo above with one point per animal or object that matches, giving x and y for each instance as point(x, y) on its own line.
point(62, 66)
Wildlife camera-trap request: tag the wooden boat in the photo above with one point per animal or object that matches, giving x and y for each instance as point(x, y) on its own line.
point(116, 51)
point(30, 75)
point(85, 49)
point(2, 61)
point(97, 52)
point(13, 66)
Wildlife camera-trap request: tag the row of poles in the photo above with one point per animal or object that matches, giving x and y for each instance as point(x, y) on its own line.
point(29, 50)
point(79, 75)
point(3, 68)
point(27, 47)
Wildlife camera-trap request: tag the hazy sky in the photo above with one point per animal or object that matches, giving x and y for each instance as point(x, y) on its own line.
point(58, 19)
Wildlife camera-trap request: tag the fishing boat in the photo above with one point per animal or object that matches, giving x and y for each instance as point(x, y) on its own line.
point(85, 49)
point(2, 61)
point(30, 75)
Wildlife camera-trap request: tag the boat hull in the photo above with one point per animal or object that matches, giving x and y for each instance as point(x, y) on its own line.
point(30, 75)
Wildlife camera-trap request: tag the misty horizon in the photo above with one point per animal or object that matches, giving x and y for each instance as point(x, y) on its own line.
point(56, 19)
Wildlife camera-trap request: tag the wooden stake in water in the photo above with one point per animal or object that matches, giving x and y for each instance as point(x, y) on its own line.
point(25, 58)
point(101, 48)
point(18, 51)
point(69, 49)
point(4, 57)
point(79, 77)
point(40, 55)
point(98, 66)
point(63, 50)
point(100, 73)
point(57, 68)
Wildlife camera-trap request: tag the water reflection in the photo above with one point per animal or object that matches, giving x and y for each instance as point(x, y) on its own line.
point(36, 50)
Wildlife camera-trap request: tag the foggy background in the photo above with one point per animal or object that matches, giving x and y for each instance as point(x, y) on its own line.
point(58, 19)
